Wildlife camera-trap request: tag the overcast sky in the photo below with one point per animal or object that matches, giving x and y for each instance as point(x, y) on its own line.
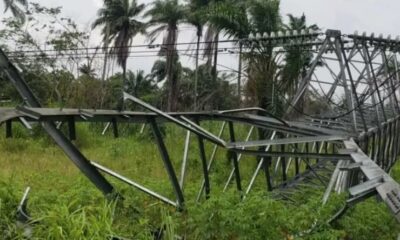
point(379, 16)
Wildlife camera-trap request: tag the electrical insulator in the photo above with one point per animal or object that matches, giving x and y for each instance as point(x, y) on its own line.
point(372, 35)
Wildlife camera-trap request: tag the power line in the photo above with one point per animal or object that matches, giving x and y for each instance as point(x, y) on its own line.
point(117, 47)
point(98, 57)
point(167, 44)
point(85, 54)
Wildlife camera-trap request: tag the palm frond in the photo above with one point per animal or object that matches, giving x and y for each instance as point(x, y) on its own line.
point(17, 8)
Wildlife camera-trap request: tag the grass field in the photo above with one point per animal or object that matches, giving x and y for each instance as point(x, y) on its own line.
point(65, 205)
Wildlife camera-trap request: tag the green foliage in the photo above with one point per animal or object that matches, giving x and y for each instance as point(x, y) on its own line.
point(226, 217)
point(165, 15)
point(364, 224)
point(119, 19)
point(17, 8)
point(8, 206)
point(65, 205)
point(73, 221)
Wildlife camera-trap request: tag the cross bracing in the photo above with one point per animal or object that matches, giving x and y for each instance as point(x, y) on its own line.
point(350, 146)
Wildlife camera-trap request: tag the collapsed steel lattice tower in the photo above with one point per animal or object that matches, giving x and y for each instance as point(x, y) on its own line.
point(355, 144)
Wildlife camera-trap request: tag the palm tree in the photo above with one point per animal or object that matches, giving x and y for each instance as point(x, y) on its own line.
point(230, 17)
point(138, 83)
point(120, 25)
point(15, 7)
point(212, 41)
point(262, 64)
point(86, 69)
point(165, 15)
point(195, 17)
point(297, 60)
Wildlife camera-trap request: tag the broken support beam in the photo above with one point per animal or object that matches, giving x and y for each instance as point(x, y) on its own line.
point(71, 129)
point(9, 133)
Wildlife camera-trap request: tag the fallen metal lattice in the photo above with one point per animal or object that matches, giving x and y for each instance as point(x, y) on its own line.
point(356, 144)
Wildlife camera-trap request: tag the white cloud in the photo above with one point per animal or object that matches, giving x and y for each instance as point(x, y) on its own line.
point(98, 3)
point(348, 15)
point(379, 16)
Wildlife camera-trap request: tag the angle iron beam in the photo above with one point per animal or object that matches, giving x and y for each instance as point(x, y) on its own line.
point(332, 181)
point(366, 186)
point(340, 44)
point(307, 155)
point(285, 141)
point(114, 125)
point(374, 79)
point(9, 131)
point(28, 112)
point(71, 129)
point(188, 126)
point(25, 123)
point(167, 163)
point(184, 159)
point(395, 100)
point(306, 80)
point(72, 152)
point(232, 173)
point(259, 166)
point(106, 128)
point(204, 164)
point(283, 164)
point(235, 158)
point(211, 161)
point(389, 189)
point(134, 184)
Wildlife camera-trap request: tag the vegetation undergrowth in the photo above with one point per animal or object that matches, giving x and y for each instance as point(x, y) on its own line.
point(65, 205)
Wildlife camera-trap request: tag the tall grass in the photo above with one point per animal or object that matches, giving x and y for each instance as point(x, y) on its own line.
point(65, 205)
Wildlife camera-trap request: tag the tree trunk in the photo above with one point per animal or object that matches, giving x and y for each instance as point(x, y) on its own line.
point(172, 81)
point(240, 72)
point(214, 70)
point(124, 84)
point(120, 105)
point(103, 76)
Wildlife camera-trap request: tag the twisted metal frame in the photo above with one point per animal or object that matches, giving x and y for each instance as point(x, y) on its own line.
point(356, 143)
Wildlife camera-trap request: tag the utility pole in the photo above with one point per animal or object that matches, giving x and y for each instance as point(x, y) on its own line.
point(106, 42)
point(240, 71)
point(196, 80)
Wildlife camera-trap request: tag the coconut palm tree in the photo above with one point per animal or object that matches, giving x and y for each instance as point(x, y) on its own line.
point(119, 19)
point(86, 69)
point(211, 39)
point(165, 15)
point(196, 17)
point(230, 17)
point(261, 62)
point(17, 8)
point(297, 61)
